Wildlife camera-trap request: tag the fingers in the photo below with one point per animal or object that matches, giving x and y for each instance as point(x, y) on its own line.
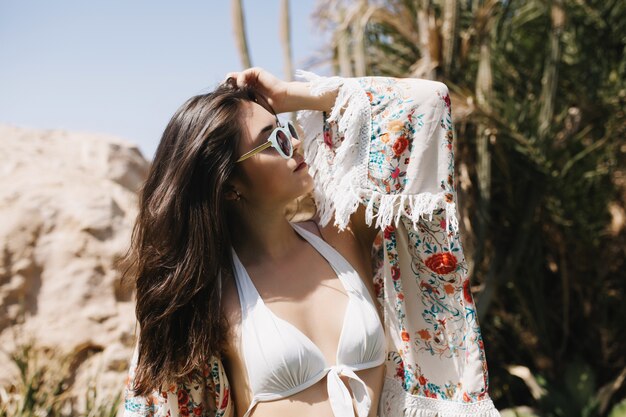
point(231, 78)
point(247, 76)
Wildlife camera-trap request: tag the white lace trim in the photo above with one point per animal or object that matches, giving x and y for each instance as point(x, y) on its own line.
point(396, 402)
point(342, 189)
point(335, 191)
point(411, 206)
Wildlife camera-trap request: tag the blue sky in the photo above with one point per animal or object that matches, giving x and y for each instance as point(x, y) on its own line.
point(124, 67)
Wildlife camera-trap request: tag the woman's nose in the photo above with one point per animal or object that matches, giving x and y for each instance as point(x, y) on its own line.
point(296, 143)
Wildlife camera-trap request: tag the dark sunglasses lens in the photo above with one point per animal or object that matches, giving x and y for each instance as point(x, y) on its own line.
point(292, 130)
point(284, 142)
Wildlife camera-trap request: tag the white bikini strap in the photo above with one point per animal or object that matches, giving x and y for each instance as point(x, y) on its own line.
point(343, 268)
point(248, 295)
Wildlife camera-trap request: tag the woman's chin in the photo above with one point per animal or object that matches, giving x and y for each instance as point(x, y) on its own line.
point(310, 184)
point(306, 187)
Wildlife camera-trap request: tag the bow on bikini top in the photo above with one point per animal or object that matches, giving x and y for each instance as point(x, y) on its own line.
point(281, 360)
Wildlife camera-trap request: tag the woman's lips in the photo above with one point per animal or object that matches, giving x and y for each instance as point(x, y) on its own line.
point(300, 166)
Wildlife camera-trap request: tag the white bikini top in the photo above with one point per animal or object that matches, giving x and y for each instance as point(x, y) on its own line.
point(281, 360)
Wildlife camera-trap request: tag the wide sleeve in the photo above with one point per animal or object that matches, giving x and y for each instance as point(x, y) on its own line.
point(387, 144)
point(204, 393)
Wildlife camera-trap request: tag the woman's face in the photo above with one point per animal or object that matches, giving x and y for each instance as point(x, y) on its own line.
point(266, 178)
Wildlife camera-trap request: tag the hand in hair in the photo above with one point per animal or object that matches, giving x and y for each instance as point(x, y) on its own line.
point(284, 96)
point(272, 88)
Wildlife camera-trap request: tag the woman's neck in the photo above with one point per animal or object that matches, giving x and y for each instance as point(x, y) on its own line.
point(263, 236)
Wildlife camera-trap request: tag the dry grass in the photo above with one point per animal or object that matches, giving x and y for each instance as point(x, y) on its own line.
point(42, 386)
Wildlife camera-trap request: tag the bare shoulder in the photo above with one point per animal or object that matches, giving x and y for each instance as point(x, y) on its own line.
point(342, 240)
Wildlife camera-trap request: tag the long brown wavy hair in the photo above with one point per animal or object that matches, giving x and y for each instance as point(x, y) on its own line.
point(180, 243)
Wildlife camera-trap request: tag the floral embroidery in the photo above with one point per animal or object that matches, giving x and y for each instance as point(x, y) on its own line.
point(438, 266)
point(467, 294)
point(326, 129)
point(399, 146)
point(195, 395)
point(446, 99)
point(441, 263)
point(405, 335)
point(391, 137)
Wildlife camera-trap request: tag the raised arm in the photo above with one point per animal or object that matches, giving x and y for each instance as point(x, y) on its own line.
point(300, 97)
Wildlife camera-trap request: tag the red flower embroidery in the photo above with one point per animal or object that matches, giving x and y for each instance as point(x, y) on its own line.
point(446, 98)
point(400, 145)
point(369, 96)
point(424, 334)
point(467, 292)
point(401, 296)
point(377, 288)
point(184, 411)
point(395, 273)
point(429, 288)
point(197, 411)
point(328, 139)
point(395, 173)
point(449, 288)
point(441, 263)
point(183, 397)
point(422, 380)
point(388, 230)
point(400, 371)
point(225, 400)
point(405, 335)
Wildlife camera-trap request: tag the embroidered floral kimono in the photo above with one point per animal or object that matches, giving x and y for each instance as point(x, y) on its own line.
point(388, 145)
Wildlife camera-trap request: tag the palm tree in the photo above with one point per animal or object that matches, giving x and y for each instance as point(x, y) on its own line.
point(239, 27)
point(285, 38)
point(538, 91)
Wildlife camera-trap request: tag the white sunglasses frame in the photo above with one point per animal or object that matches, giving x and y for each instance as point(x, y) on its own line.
point(272, 141)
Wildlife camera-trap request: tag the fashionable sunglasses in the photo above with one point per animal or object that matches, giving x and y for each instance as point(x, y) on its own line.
point(280, 139)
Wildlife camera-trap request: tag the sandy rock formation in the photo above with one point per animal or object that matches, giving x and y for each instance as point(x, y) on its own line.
point(67, 205)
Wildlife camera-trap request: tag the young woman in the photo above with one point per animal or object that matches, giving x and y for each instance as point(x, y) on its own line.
point(220, 270)
point(243, 312)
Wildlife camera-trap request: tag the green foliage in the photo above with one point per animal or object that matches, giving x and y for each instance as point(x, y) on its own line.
point(574, 395)
point(553, 276)
point(619, 410)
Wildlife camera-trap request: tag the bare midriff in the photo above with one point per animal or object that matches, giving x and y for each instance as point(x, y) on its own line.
point(310, 402)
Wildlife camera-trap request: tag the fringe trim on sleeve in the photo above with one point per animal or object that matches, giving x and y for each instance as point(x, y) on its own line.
point(412, 206)
point(340, 175)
